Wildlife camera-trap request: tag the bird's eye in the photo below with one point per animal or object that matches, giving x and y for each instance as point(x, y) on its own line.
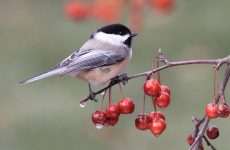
point(120, 33)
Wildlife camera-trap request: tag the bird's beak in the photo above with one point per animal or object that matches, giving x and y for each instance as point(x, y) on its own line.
point(133, 34)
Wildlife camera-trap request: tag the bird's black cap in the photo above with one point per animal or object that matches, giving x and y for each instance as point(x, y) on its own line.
point(118, 29)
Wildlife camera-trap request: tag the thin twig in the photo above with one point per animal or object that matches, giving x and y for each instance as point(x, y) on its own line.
point(209, 143)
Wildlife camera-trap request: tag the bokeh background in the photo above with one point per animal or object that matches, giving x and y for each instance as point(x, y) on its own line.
point(44, 115)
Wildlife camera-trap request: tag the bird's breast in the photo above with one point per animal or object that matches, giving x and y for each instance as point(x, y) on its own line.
point(104, 74)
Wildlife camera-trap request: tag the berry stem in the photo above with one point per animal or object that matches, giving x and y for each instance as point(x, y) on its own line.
point(214, 89)
point(110, 95)
point(154, 105)
point(143, 106)
point(102, 101)
point(121, 90)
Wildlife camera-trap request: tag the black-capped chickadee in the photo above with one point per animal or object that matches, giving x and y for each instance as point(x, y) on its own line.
point(99, 60)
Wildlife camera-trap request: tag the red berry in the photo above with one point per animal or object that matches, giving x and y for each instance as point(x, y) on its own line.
point(76, 10)
point(163, 5)
point(223, 110)
point(157, 126)
point(106, 13)
point(112, 111)
point(99, 117)
point(190, 139)
point(111, 121)
point(152, 88)
point(163, 100)
point(143, 121)
point(126, 106)
point(165, 88)
point(212, 110)
point(212, 132)
point(157, 115)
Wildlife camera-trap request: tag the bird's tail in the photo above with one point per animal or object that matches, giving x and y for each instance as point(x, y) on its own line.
point(58, 71)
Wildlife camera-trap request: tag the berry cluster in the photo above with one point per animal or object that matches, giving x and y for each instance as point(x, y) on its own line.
point(79, 10)
point(217, 110)
point(161, 93)
point(111, 10)
point(155, 121)
point(110, 116)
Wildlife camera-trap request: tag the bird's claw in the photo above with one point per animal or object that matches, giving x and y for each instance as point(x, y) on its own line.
point(92, 96)
point(123, 78)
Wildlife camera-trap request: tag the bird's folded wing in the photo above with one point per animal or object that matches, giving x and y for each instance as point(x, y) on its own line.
point(96, 58)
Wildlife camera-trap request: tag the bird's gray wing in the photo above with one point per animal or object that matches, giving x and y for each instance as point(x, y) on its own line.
point(77, 61)
point(96, 58)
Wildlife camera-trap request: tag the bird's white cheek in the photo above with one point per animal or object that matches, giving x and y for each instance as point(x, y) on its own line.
point(111, 38)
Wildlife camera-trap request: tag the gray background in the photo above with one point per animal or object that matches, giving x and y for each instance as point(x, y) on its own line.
point(35, 35)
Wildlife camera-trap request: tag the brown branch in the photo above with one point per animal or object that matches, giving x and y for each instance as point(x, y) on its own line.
point(198, 138)
point(197, 122)
point(168, 64)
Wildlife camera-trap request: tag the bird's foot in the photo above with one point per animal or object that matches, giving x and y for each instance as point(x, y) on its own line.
point(92, 96)
point(123, 78)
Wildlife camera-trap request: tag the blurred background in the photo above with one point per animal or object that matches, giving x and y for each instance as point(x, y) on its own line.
point(45, 115)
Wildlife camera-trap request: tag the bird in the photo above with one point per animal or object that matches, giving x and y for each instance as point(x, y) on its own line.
point(100, 60)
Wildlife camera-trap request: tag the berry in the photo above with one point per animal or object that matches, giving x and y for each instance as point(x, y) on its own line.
point(99, 117)
point(163, 5)
point(157, 115)
point(190, 139)
point(76, 10)
point(143, 122)
point(163, 100)
point(112, 111)
point(212, 110)
point(165, 88)
point(126, 106)
point(106, 12)
point(212, 132)
point(157, 126)
point(111, 121)
point(223, 110)
point(152, 88)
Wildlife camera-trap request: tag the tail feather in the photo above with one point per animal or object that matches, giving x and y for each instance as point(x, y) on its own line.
point(54, 72)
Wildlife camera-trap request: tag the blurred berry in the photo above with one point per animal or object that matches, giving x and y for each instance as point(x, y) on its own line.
point(76, 10)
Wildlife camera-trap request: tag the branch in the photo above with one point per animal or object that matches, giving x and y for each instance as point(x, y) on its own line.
point(168, 64)
point(199, 136)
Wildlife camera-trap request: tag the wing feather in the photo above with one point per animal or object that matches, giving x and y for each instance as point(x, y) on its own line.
point(96, 58)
